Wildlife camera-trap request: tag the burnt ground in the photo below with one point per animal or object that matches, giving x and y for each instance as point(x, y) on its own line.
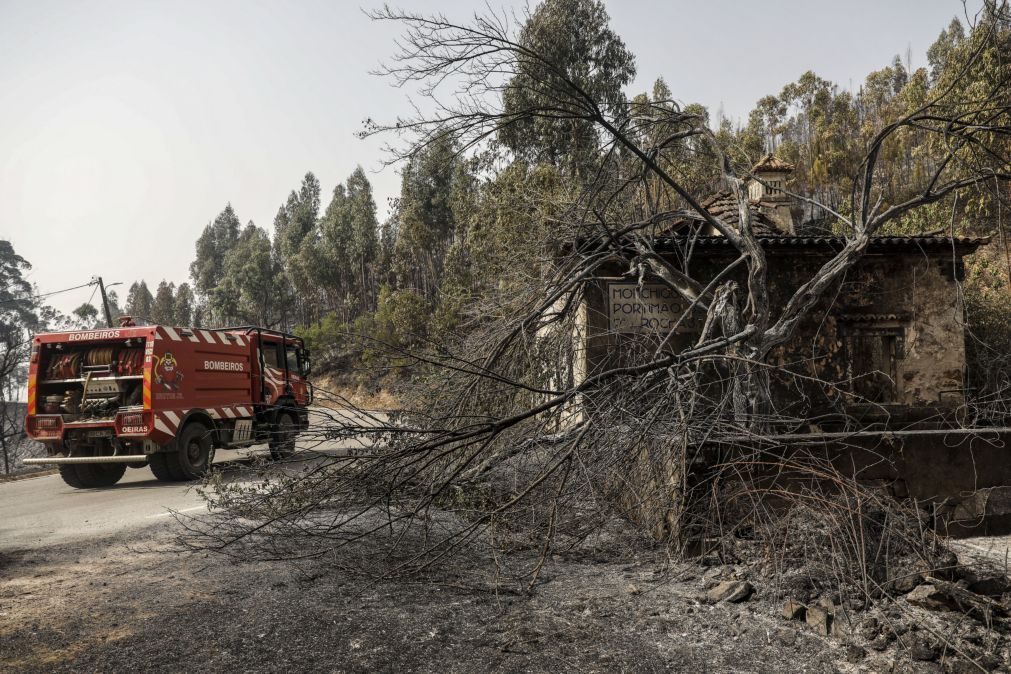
point(137, 603)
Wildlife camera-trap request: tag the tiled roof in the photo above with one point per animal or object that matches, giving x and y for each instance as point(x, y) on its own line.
point(772, 163)
point(962, 243)
point(723, 206)
point(872, 318)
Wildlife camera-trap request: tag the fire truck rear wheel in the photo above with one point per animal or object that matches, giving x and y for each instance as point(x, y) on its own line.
point(162, 468)
point(195, 453)
point(92, 475)
point(69, 474)
point(282, 441)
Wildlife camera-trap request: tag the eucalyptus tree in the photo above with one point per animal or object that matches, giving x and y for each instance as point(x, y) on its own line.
point(345, 251)
point(183, 305)
point(163, 308)
point(20, 312)
point(86, 317)
point(364, 244)
point(139, 301)
point(331, 259)
point(563, 41)
point(295, 227)
point(214, 243)
point(249, 292)
point(426, 219)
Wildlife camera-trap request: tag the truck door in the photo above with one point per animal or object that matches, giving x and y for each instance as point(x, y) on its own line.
point(282, 370)
point(295, 370)
point(275, 383)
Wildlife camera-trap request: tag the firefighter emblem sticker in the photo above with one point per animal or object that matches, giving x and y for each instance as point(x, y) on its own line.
point(167, 373)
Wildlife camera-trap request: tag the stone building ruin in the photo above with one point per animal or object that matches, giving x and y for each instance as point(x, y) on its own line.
point(878, 367)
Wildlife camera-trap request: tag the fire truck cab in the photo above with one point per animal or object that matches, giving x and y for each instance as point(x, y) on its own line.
point(162, 396)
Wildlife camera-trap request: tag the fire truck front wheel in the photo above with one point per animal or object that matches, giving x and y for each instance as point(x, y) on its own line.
point(92, 475)
point(282, 441)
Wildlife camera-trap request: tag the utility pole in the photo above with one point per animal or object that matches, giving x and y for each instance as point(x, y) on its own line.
point(105, 302)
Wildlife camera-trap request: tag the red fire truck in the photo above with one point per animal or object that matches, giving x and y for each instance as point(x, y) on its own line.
point(166, 397)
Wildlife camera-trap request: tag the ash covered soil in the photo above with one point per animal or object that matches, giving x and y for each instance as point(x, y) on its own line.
point(137, 603)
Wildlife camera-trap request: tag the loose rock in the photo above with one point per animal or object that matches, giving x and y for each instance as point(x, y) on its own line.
point(931, 597)
point(732, 591)
point(819, 619)
point(906, 582)
point(794, 610)
point(788, 637)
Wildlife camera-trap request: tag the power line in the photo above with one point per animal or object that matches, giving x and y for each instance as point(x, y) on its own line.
point(93, 291)
point(44, 295)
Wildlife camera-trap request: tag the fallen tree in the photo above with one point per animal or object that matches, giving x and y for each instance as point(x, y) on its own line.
point(501, 444)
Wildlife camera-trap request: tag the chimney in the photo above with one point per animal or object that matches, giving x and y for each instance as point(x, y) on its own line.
point(770, 198)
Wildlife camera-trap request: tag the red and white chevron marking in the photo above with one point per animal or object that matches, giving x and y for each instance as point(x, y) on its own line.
point(233, 412)
point(200, 336)
point(275, 381)
point(168, 421)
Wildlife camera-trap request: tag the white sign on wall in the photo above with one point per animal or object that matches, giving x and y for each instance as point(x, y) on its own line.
point(652, 307)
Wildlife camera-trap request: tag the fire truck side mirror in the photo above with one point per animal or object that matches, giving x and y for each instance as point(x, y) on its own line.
point(304, 362)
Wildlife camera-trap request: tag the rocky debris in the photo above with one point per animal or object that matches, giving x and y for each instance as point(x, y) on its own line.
point(787, 637)
point(940, 595)
point(904, 666)
point(731, 591)
point(869, 628)
point(794, 610)
point(721, 574)
point(930, 597)
point(819, 619)
point(712, 577)
point(906, 582)
point(960, 666)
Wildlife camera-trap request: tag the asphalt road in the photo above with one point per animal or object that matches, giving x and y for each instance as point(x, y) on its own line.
point(37, 512)
point(42, 511)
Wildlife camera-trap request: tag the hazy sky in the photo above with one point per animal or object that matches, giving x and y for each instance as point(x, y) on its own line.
point(126, 126)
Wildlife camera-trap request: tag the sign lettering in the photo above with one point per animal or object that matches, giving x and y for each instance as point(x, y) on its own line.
point(95, 334)
point(650, 308)
point(224, 366)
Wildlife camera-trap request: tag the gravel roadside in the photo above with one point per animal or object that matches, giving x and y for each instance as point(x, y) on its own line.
point(135, 603)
